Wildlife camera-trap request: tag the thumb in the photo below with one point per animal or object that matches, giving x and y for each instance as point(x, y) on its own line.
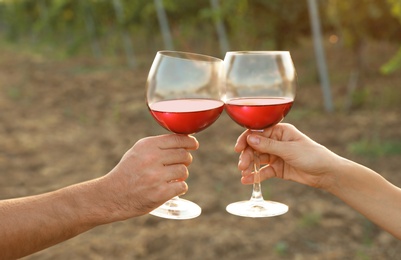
point(265, 145)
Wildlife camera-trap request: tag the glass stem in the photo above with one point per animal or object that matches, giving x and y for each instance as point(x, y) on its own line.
point(257, 188)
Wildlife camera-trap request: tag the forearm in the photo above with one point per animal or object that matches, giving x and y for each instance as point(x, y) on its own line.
point(370, 194)
point(33, 223)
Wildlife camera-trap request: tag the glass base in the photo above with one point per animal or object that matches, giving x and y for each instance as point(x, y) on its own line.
point(257, 209)
point(177, 208)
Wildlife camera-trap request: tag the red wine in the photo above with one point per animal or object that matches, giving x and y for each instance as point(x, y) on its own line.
point(258, 113)
point(186, 116)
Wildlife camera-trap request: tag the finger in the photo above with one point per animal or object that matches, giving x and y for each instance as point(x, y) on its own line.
point(177, 188)
point(176, 156)
point(248, 169)
point(169, 190)
point(266, 145)
point(265, 158)
point(176, 173)
point(241, 141)
point(171, 183)
point(245, 159)
point(265, 173)
point(172, 141)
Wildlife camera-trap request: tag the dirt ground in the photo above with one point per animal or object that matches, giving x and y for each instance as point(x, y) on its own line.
point(64, 122)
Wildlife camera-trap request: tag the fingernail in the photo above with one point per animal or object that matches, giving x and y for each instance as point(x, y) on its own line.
point(254, 139)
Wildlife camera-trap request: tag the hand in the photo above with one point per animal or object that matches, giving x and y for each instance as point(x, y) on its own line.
point(153, 171)
point(150, 173)
point(288, 154)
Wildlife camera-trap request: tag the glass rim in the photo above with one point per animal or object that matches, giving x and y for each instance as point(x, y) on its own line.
point(189, 56)
point(257, 52)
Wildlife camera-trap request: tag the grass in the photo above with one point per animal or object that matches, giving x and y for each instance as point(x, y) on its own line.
point(375, 147)
point(310, 219)
point(14, 92)
point(281, 248)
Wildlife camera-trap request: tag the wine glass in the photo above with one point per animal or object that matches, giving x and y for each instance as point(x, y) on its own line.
point(183, 94)
point(260, 91)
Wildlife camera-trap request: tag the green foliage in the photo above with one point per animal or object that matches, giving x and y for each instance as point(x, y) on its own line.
point(310, 219)
point(74, 25)
point(370, 21)
point(267, 24)
point(395, 8)
point(281, 248)
point(361, 255)
point(14, 93)
point(360, 97)
point(394, 63)
point(375, 147)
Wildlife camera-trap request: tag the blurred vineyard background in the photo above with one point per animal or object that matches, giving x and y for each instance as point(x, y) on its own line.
point(134, 28)
point(131, 30)
point(72, 77)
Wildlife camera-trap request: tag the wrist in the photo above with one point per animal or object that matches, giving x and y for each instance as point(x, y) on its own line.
point(92, 203)
point(334, 180)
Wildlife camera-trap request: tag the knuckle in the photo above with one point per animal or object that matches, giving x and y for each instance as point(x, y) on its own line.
point(142, 143)
point(147, 160)
point(267, 142)
point(154, 177)
point(185, 155)
point(182, 152)
point(179, 139)
point(182, 170)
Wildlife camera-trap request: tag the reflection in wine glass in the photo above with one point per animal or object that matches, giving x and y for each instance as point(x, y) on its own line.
point(260, 91)
point(183, 92)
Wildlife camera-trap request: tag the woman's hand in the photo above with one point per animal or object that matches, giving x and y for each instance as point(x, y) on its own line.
point(288, 154)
